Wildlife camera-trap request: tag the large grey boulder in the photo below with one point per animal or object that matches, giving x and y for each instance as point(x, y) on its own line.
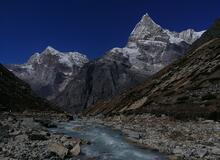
point(75, 151)
point(58, 149)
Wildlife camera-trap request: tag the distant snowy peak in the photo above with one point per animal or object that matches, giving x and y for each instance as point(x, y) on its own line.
point(66, 58)
point(78, 58)
point(35, 58)
point(151, 47)
point(147, 29)
point(50, 50)
point(190, 35)
point(50, 71)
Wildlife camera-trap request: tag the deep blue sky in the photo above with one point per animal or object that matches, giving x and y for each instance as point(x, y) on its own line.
point(90, 26)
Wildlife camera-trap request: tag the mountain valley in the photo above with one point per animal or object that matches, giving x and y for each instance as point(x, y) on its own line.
point(75, 83)
point(156, 98)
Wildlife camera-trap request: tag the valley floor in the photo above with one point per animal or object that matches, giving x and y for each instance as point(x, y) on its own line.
point(180, 139)
point(26, 137)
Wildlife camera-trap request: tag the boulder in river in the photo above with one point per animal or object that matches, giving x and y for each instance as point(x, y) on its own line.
point(75, 151)
point(46, 123)
point(58, 149)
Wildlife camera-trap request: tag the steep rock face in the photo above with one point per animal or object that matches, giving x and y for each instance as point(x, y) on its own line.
point(149, 48)
point(17, 95)
point(48, 73)
point(188, 88)
point(97, 80)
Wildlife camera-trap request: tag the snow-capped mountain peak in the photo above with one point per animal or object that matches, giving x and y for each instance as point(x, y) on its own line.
point(50, 71)
point(148, 21)
point(34, 59)
point(190, 35)
point(146, 27)
point(66, 58)
point(50, 50)
point(78, 58)
point(150, 47)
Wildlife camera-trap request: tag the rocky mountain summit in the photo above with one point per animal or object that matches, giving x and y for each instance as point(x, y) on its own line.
point(149, 49)
point(188, 88)
point(49, 72)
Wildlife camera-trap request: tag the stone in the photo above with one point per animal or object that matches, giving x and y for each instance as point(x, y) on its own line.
point(30, 123)
point(69, 117)
point(77, 128)
point(75, 151)
point(15, 133)
point(208, 121)
point(215, 150)
point(11, 119)
point(39, 137)
point(117, 127)
point(46, 123)
point(21, 138)
point(84, 142)
point(172, 157)
point(58, 149)
point(69, 138)
point(45, 133)
point(202, 152)
point(68, 144)
point(178, 150)
point(63, 138)
point(4, 132)
point(132, 139)
point(132, 134)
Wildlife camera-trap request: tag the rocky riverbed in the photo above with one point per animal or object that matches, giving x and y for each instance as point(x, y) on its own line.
point(26, 137)
point(179, 139)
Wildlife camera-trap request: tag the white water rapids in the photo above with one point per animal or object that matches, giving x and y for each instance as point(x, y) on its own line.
point(106, 144)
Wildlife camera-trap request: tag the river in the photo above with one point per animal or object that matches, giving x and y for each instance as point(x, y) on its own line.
point(106, 144)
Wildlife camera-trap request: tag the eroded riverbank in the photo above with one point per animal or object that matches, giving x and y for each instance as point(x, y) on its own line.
point(180, 139)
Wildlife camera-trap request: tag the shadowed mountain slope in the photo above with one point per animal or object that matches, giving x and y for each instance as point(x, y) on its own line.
point(16, 95)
